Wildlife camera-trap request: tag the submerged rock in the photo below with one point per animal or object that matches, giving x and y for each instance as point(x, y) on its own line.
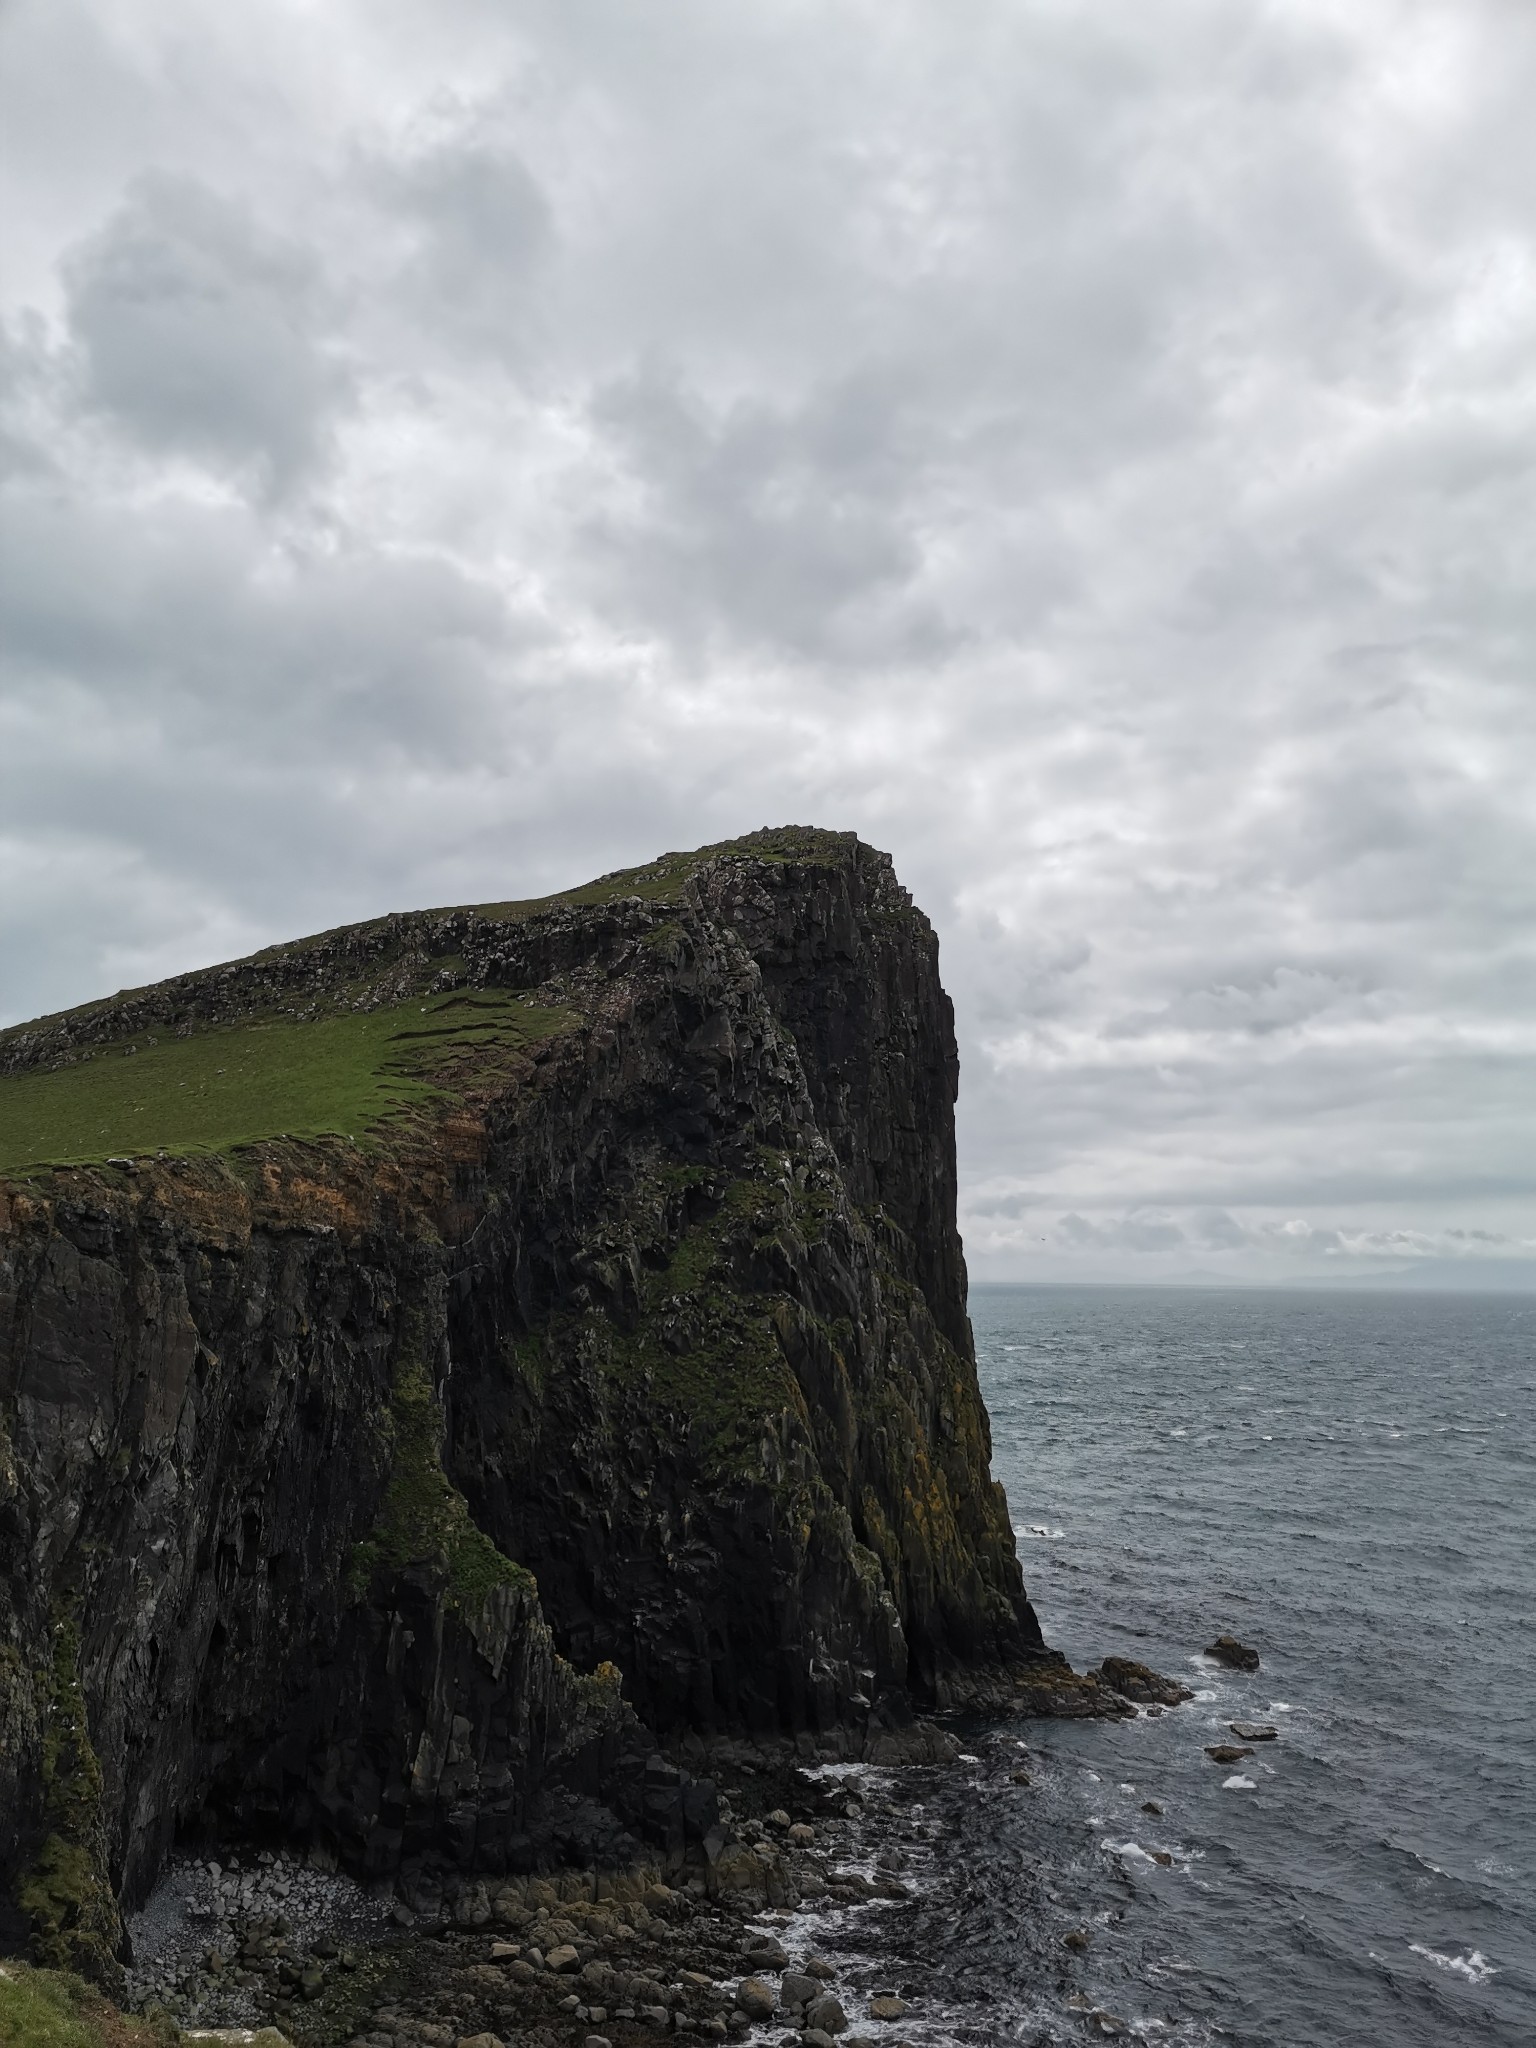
point(1235, 1655)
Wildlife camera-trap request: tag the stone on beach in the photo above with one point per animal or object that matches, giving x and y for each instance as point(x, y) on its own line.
point(826, 2014)
point(756, 1997)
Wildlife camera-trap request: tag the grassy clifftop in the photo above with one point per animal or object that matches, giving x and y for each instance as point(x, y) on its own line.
point(345, 1034)
point(218, 1089)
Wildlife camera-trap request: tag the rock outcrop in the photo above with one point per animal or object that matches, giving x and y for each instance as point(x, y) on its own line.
point(593, 1370)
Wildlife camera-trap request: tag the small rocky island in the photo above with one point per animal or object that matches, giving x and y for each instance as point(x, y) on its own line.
point(486, 1397)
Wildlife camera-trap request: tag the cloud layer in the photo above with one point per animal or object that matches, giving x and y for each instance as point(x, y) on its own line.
point(452, 450)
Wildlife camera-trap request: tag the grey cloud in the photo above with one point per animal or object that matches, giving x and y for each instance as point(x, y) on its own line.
point(1127, 1234)
point(479, 224)
point(203, 334)
point(774, 525)
point(1086, 451)
point(329, 654)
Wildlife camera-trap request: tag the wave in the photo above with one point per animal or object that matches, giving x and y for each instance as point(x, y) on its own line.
point(1475, 1968)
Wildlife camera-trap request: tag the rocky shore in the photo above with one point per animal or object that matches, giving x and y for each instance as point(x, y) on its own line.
point(788, 1924)
point(720, 1947)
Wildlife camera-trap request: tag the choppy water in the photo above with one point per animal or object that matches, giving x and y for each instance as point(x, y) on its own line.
point(1348, 1484)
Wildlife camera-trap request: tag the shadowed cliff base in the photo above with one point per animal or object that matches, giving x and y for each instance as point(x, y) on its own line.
point(448, 1359)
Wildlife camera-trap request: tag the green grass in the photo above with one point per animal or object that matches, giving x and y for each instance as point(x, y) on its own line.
point(236, 1085)
point(50, 2009)
point(36, 2012)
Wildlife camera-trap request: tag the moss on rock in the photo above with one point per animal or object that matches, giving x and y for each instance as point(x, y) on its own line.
point(67, 1895)
point(424, 1521)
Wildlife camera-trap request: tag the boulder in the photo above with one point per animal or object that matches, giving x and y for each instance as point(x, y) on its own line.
point(764, 1953)
point(1140, 1683)
point(756, 1997)
point(826, 2013)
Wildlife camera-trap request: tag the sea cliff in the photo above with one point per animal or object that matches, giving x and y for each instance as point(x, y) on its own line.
point(450, 1362)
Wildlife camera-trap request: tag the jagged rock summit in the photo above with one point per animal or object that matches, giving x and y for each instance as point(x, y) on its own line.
point(448, 1359)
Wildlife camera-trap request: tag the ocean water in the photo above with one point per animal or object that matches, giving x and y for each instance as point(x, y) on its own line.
point(1348, 1484)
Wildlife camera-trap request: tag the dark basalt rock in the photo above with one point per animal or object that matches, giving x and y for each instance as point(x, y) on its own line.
point(1235, 1655)
point(1139, 1682)
point(403, 1496)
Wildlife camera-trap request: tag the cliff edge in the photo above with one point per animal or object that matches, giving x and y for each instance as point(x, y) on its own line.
point(446, 1360)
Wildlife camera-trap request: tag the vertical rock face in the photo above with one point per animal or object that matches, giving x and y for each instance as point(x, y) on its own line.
point(401, 1489)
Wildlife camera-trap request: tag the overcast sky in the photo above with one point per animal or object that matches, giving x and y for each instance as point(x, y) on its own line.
point(456, 447)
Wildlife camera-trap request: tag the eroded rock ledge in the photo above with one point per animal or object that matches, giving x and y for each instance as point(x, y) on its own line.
point(399, 1492)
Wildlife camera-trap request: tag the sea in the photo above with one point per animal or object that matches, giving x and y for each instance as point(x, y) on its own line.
point(1347, 1483)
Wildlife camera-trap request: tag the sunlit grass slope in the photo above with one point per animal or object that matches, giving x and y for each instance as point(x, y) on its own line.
point(235, 1085)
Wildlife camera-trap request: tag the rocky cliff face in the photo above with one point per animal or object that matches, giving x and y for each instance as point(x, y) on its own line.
point(402, 1490)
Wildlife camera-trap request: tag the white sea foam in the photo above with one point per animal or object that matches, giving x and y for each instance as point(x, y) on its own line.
point(1475, 1968)
point(1238, 1783)
point(1130, 1852)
